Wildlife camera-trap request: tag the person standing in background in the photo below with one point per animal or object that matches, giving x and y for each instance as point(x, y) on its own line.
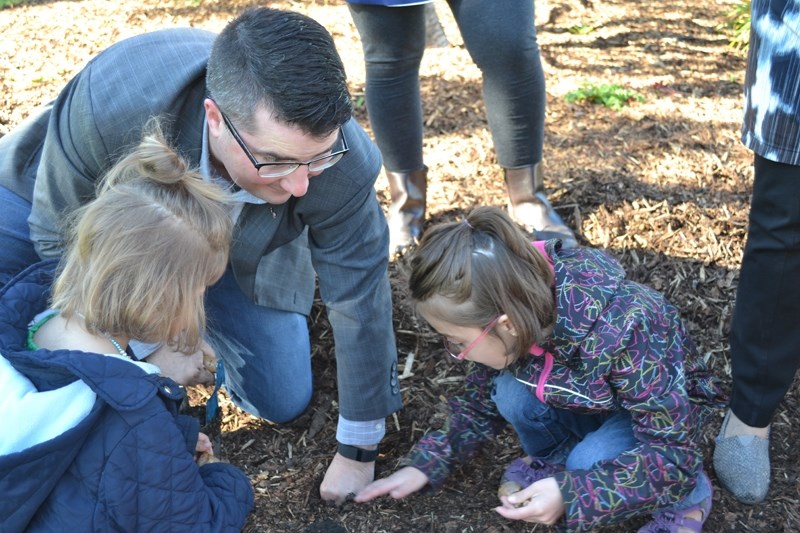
point(501, 40)
point(765, 340)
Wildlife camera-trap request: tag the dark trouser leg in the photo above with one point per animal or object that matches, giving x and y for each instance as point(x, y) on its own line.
point(393, 40)
point(765, 338)
point(502, 42)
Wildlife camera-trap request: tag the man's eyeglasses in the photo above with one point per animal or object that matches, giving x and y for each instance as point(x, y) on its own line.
point(458, 351)
point(282, 168)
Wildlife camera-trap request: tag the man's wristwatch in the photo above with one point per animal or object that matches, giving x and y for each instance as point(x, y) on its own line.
point(357, 454)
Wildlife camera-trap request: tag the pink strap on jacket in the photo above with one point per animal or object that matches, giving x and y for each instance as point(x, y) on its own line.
point(539, 245)
point(538, 350)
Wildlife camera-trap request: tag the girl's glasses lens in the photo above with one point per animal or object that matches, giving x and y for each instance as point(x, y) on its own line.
point(458, 351)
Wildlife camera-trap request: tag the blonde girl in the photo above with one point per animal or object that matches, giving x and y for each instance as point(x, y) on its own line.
point(101, 445)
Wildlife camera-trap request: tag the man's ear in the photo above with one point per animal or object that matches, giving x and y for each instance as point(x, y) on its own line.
point(214, 117)
point(505, 324)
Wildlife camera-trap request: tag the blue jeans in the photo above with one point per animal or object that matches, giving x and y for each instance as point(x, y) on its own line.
point(266, 352)
point(560, 436)
point(15, 243)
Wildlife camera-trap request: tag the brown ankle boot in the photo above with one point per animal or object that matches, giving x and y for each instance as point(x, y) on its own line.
point(407, 211)
point(529, 207)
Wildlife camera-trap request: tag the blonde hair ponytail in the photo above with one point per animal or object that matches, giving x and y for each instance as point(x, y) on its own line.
point(140, 254)
point(155, 160)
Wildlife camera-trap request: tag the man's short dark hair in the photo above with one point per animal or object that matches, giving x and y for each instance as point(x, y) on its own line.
point(285, 61)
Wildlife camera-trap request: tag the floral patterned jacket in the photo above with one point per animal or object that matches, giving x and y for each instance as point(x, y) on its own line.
point(616, 345)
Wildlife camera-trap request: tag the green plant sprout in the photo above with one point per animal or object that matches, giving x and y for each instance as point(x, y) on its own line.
point(611, 96)
point(581, 29)
point(9, 3)
point(737, 25)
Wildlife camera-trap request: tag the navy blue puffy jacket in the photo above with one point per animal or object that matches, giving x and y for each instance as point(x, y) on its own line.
point(129, 465)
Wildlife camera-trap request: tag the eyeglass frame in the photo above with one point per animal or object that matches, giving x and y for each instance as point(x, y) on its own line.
point(463, 353)
point(295, 164)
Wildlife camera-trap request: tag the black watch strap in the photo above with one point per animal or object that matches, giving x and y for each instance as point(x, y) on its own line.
point(357, 454)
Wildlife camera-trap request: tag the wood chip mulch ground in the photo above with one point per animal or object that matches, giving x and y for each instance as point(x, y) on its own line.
point(663, 184)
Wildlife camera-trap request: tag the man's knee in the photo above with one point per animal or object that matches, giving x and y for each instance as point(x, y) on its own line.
point(18, 250)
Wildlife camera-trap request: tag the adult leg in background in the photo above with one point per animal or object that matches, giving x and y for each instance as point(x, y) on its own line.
point(765, 342)
point(503, 44)
point(393, 42)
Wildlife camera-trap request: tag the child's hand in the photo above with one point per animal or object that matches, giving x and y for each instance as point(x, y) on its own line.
point(204, 444)
point(541, 503)
point(185, 369)
point(204, 451)
point(399, 485)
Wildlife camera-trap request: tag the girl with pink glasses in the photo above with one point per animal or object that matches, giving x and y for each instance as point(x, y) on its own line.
point(596, 374)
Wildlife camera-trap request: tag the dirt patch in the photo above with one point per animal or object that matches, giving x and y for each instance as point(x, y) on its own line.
point(663, 185)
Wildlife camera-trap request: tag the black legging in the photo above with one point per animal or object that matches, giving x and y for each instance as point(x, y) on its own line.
point(501, 39)
point(765, 334)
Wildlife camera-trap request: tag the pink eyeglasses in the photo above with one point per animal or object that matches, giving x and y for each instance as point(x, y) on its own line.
point(455, 350)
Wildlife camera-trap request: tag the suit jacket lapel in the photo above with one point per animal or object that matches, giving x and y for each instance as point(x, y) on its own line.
point(252, 236)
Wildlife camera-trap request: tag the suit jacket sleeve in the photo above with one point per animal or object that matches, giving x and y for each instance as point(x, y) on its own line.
point(349, 242)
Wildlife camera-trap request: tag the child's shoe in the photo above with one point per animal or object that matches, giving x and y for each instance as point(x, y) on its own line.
point(522, 473)
point(677, 521)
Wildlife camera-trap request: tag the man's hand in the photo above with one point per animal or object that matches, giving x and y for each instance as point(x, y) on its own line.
point(399, 485)
point(541, 502)
point(185, 369)
point(345, 477)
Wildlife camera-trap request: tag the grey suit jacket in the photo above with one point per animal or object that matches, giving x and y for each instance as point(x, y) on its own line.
point(337, 229)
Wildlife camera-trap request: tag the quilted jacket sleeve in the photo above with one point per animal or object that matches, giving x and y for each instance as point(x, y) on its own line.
point(151, 483)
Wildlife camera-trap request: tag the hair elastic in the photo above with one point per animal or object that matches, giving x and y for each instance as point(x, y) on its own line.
point(466, 223)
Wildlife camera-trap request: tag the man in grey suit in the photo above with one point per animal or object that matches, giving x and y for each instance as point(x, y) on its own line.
point(264, 110)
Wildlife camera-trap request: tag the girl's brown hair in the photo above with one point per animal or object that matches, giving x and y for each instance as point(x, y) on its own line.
point(489, 263)
point(140, 255)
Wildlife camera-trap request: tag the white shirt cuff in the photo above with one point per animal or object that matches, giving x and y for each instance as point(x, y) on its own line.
point(360, 433)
